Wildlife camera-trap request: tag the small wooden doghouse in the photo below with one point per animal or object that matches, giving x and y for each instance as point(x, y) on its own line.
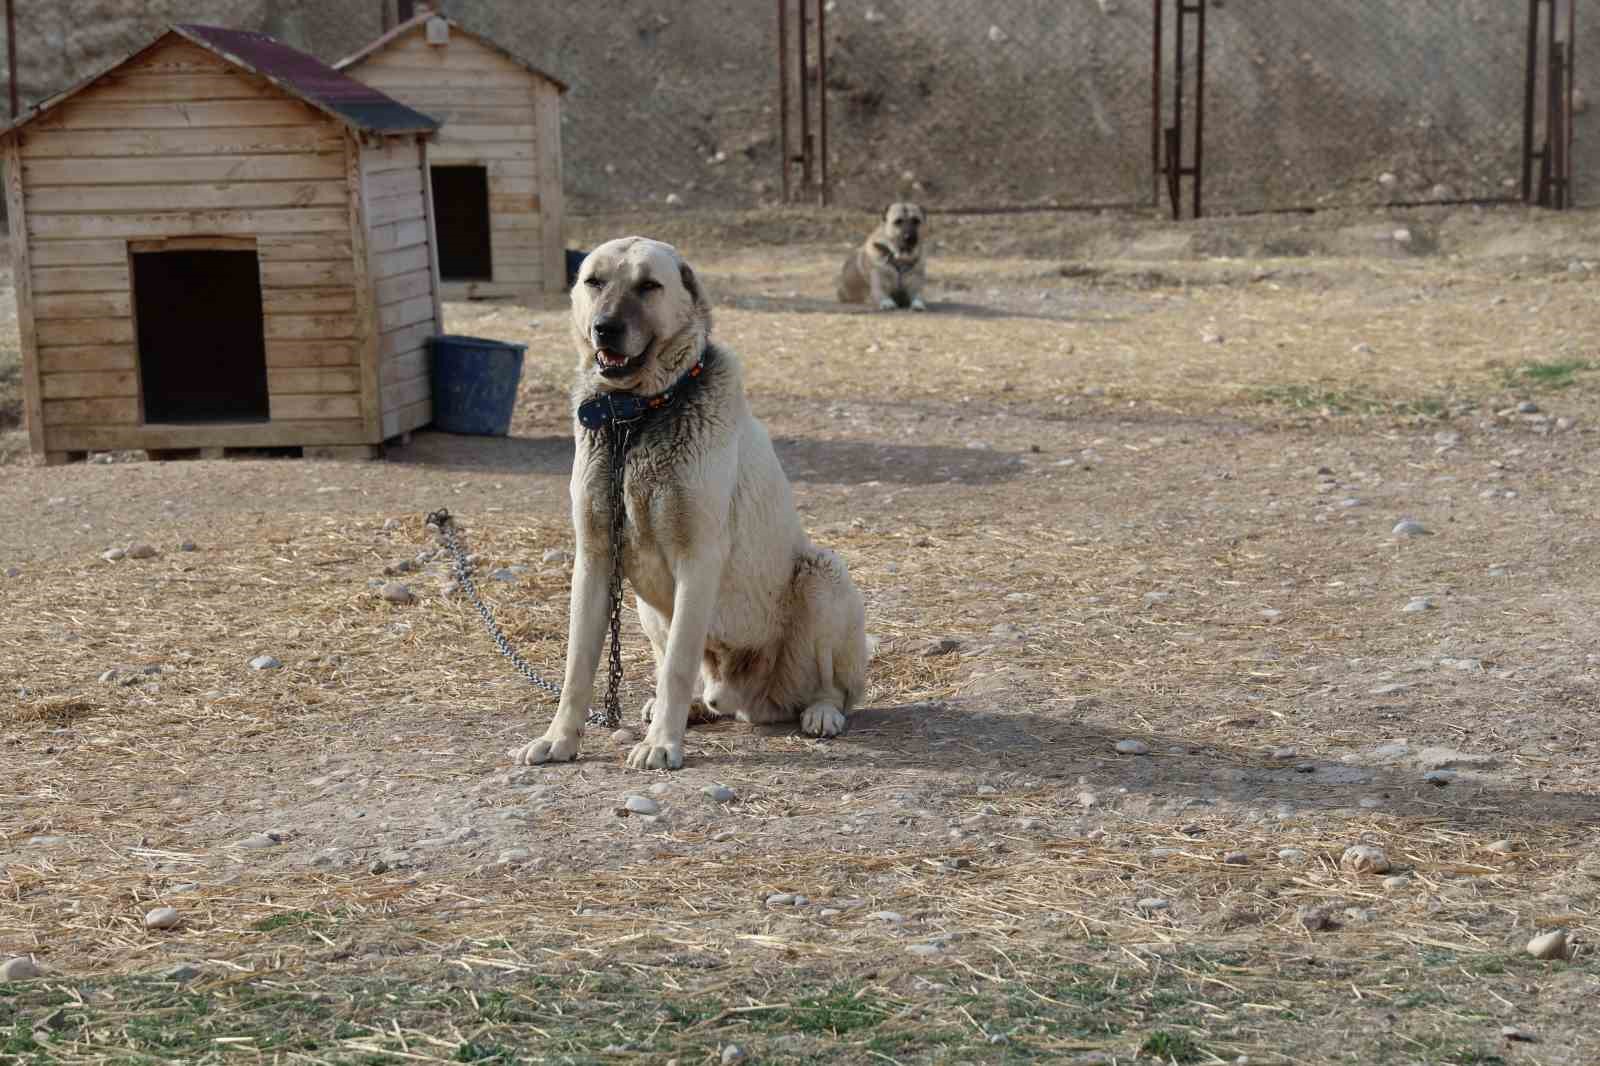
point(495, 162)
point(221, 242)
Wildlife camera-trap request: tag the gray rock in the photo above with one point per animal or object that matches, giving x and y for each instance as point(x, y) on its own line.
point(259, 841)
point(1441, 758)
point(399, 566)
point(13, 571)
point(1365, 859)
point(502, 574)
point(161, 918)
point(1527, 407)
point(265, 662)
point(20, 968)
point(1409, 527)
point(1292, 855)
point(1360, 915)
point(181, 973)
point(1388, 690)
point(623, 736)
point(1439, 778)
point(932, 947)
point(1236, 858)
point(1285, 753)
point(398, 592)
point(940, 646)
point(187, 545)
point(659, 790)
point(1511, 1032)
point(1397, 881)
point(1551, 945)
point(731, 1053)
point(1316, 919)
point(514, 856)
point(1417, 605)
point(720, 793)
point(1132, 747)
point(637, 804)
point(112, 555)
point(1152, 904)
point(781, 899)
point(555, 555)
point(1088, 799)
point(143, 551)
point(892, 917)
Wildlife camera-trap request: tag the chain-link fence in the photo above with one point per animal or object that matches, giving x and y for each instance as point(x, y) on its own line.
point(963, 103)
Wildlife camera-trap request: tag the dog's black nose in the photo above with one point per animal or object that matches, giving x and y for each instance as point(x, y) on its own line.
point(608, 331)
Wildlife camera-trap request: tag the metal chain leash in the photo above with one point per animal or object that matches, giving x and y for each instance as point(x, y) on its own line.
point(610, 716)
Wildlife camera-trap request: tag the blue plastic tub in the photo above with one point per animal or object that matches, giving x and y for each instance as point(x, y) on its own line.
point(474, 384)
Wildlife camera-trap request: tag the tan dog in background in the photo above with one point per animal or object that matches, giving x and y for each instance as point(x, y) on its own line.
point(889, 269)
point(736, 600)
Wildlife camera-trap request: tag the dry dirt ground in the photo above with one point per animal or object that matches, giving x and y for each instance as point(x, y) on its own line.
point(1133, 480)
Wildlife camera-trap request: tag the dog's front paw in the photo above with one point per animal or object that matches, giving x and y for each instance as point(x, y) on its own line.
point(918, 305)
point(546, 749)
point(823, 720)
point(648, 755)
point(886, 304)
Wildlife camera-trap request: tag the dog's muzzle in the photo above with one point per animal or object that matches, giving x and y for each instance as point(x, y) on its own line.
point(616, 365)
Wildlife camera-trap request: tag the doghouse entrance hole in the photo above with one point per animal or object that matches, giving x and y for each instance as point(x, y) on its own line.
point(202, 354)
point(461, 222)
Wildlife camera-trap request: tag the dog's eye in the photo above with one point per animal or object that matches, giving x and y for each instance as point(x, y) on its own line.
point(649, 285)
point(594, 282)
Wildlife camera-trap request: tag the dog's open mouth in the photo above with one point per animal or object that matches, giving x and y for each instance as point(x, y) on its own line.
point(616, 365)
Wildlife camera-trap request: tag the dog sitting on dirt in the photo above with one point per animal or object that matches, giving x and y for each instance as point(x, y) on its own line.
point(890, 267)
point(735, 599)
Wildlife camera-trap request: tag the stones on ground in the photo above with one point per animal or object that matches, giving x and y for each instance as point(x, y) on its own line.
point(731, 1053)
point(1397, 881)
point(1285, 753)
point(265, 662)
point(1388, 690)
point(783, 899)
point(1152, 904)
point(622, 736)
point(1511, 1032)
point(187, 545)
point(1501, 847)
point(1416, 605)
point(1442, 758)
point(1409, 527)
point(1236, 858)
point(502, 574)
point(659, 790)
point(260, 841)
point(637, 804)
point(112, 555)
point(930, 948)
point(1551, 945)
point(892, 917)
point(161, 918)
point(399, 566)
point(1439, 778)
point(556, 555)
point(514, 856)
point(181, 973)
point(1316, 919)
point(398, 592)
point(1088, 799)
point(1527, 407)
point(20, 968)
point(13, 571)
point(1365, 859)
point(143, 551)
point(1132, 747)
point(940, 646)
point(719, 793)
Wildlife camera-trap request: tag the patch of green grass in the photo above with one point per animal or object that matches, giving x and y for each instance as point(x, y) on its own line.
point(841, 1009)
point(1172, 1047)
point(1549, 374)
point(289, 920)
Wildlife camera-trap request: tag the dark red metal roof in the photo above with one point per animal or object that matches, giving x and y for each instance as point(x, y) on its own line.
point(310, 79)
point(304, 77)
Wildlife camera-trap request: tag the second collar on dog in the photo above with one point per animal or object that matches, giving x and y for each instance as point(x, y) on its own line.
point(597, 412)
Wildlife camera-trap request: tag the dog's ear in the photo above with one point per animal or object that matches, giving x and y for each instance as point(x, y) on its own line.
point(886, 212)
point(691, 284)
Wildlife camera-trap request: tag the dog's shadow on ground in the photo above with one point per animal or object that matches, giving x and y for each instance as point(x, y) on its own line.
point(831, 462)
point(955, 737)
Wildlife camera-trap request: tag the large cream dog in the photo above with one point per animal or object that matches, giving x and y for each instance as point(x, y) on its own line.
point(733, 596)
point(890, 268)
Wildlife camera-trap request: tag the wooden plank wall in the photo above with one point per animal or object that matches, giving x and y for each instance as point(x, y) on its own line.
point(498, 115)
point(179, 144)
point(403, 269)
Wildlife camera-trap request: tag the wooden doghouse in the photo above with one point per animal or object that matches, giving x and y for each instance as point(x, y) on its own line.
point(221, 242)
point(496, 161)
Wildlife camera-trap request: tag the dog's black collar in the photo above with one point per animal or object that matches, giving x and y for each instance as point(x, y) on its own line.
point(598, 412)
